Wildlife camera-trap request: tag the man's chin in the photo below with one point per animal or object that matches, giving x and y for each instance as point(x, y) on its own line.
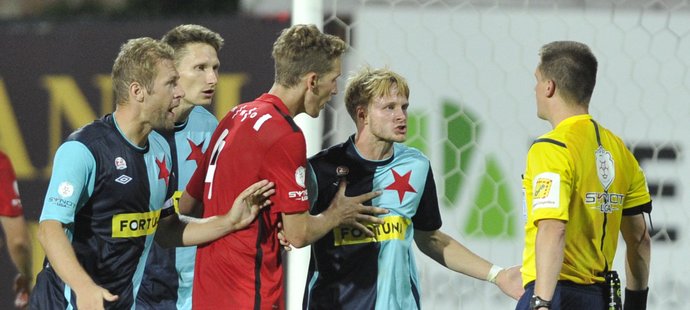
point(400, 138)
point(205, 102)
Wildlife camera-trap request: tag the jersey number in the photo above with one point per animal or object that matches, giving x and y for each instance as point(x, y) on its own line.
point(211, 171)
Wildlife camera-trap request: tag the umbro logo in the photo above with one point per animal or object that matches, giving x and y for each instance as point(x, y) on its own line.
point(123, 179)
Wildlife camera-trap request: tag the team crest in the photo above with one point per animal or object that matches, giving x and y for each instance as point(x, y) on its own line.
point(120, 163)
point(65, 189)
point(605, 168)
point(342, 171)
point(300, 176)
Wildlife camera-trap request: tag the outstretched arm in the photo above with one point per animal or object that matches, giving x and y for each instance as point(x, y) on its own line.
point(453, 255)
point(60, 253)
point(177, 230)
point(302, 229)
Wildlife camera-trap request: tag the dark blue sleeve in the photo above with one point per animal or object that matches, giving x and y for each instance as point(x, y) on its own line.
point(428, 217)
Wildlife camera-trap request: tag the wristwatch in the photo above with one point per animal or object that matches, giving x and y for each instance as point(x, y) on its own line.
point(536, 302)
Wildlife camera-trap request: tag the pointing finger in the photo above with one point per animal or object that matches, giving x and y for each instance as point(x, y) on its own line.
point(342, 184)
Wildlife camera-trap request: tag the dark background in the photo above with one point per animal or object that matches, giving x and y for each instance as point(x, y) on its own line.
point(83, 47)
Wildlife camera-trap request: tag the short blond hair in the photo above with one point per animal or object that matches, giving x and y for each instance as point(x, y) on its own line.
point(301, 49)
point(137, 62)
point(368, 83)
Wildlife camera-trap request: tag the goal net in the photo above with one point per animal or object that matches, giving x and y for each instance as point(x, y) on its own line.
point(470, 67)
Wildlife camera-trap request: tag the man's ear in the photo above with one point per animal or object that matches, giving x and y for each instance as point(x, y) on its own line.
point(550, 88)
point(311, 79)
point(136, 91)
point(361, 113)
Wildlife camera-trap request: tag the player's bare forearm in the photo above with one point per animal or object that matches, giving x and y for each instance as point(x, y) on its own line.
point(179, 230)
point(176, 232)
point(18, 243)
point(638, 251)
point(302, 229)
point(549, 256)
point(60, 253)
point(450, 253)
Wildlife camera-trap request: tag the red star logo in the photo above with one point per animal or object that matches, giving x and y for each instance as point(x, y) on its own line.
point(196, 155)
point(163, 172)
point(401, 184)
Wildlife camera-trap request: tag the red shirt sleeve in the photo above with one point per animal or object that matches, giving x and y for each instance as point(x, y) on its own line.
point(195, 187)
point(285, 164)
point(196, 184)
point(10, 204)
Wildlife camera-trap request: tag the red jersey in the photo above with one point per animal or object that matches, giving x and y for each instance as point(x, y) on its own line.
point(254, 141)
point(10, 205)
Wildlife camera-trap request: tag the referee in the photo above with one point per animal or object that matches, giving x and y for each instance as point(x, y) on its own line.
point(581, 187)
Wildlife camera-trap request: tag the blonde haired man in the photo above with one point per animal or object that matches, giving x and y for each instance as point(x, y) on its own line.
point(350, 270)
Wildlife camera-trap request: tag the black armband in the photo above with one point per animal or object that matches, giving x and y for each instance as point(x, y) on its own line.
point(645, 208)
point(635, 300)
point(168, 208)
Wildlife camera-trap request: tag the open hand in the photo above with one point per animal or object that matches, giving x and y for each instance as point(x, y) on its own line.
point(248, 204)
point(352, 212)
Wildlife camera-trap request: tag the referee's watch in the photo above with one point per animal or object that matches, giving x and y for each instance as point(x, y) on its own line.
point(537, 303)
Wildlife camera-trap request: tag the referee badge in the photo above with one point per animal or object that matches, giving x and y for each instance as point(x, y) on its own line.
point(546, 190)
point(606, 170)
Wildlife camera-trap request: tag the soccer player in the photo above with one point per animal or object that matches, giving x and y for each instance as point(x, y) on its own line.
point(349, 270)
point(105, 199)
point(167, 281)
point(16, 232)
point(259, 140)
point(582, 186)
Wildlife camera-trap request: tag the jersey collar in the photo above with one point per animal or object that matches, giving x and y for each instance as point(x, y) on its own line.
point(573, 119)
point(274, 100)
point(110, 119)
point(353, 152)
point(181, 125)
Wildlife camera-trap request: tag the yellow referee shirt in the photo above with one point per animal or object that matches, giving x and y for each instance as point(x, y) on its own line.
point(583, 174)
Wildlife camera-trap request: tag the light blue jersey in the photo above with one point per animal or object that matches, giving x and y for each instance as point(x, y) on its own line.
point(349, 270)
point(170, 272)
point(108, 193)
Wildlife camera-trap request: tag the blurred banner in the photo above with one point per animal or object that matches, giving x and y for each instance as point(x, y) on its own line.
point(55, 78)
